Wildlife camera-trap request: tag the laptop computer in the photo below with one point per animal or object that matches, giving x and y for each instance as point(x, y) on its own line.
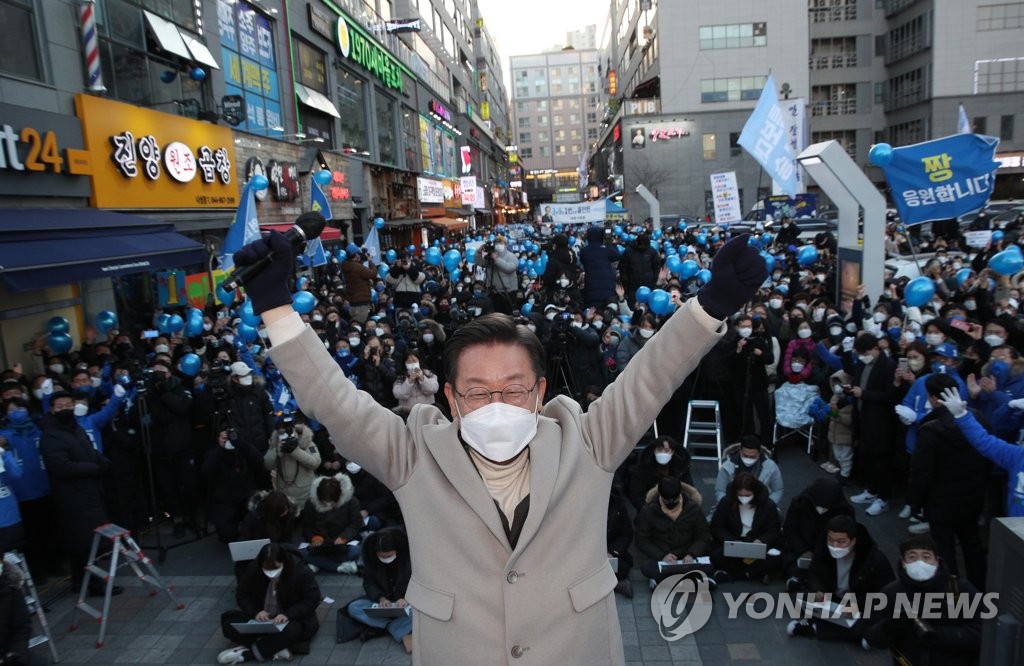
point(745, 550)
point(243, 551)
point(681, 568)
point(254, 627)
point(386, 613)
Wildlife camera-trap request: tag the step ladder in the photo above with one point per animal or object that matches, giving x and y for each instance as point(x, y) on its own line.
point(703, 434)
point(15, 561)
point(123, 552)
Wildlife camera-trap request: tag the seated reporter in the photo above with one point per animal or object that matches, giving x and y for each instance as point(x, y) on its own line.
point(746, 513)
point(330, 521)
point(385, 580)
point(671, 528)
point(276, 587)
point(509, 475)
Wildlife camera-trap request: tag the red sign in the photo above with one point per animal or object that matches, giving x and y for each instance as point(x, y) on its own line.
point(616, 133)
point(338, 190)
point(668, 133)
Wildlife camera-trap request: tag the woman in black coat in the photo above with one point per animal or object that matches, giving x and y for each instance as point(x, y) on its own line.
point(598, 262)
point(746, 514)
point(233, 470)
point(276, 588)
point(385, 580)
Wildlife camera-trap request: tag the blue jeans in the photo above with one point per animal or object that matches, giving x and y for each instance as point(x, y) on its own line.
point(397, 626)
point(328, 558)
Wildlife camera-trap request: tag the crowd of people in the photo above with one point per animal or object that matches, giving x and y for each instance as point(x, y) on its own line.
point(917, 409)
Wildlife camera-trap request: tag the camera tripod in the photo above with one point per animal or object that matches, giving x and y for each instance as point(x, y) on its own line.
point(560, 374)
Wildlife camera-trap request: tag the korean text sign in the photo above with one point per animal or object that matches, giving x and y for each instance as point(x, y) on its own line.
point(943, 178)
point(148, 159)
point(766, 138)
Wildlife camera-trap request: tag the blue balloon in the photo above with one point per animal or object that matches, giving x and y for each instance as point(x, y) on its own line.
point(656, 234)
point(962, 275)
point(382, 271)
point(689, 269)
point(301, 282)
point(451, 259)
point(249, 333)
point(682, 225)
point(769, 261)
point(247, 314)
point(671, 251)
point(1006, 262)
point(617, 229)
point(527, 308)
point(919, 291)
point(716, 238)
point(194, 323)
point(106, 321)
point(1015, 249)
point(808, 255)
point(411, 249)
point(702, 239)
point(532, 274)
point(342, 255)
point(880, 154)
point(225, 297)
point(59, 343)
point(997, 236)
point(379, 287)
point(660, 302)
point(163, 323)
point(433, 256)
point(322, 177)
point(704, 276)
point(783, 289)
point(522, 263)
point(175, 323)
point(674, 264)
point(643, 294)
point(260, 182)
point(197, 74)
point(391, 256)
point(470, 254)
point(190, 364)
point(378, 223)
point(57, 325)
point(455, 275)
point(303, 302)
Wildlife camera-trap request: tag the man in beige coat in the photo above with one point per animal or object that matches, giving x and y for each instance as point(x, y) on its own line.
point(509, 555)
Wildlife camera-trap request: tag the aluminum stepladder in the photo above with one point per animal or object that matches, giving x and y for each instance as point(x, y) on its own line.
point(703, 430)
point(16, 561)
point(122, 546)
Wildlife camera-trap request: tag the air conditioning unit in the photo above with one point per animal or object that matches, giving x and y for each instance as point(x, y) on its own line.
point(1002, 639)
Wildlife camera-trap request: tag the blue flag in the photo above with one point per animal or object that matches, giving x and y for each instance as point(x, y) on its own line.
point(372, 245)
point(244, 230)
point(942, 179)
point(318, 204)
point(765, 138)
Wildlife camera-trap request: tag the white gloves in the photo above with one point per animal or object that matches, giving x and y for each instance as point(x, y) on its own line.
point(906, 414)
point(119, 391)
point(952, 401)
point(1016, 404)
point(848, 344)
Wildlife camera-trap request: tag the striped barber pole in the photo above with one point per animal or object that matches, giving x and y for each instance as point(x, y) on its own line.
point(87, 14)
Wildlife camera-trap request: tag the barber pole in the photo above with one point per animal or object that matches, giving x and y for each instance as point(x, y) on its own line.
point(90, 40)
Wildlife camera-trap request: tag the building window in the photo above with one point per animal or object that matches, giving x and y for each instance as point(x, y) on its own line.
point(996, 76)
point(526, 153)
point(591, 118)
point(542, 105)
point(19, 52)
point(524, 137)
point(542, 121)
point(522, 107)
point(731, 89)
point(542, 137)
point(1008, 16)
point(830, 11)
point(591, 133)
point(524, 123)
point(560, 150)
point(834, 100)
point(544, 151)
point(411, 132)
point(385, 128)
point(908, 38)
point(312, 66)
point(833, 53)
point(879, 93)
point(351, 103)
point(980, 124)
point(250, 66)
point(1006, 128)
point(733, 36)
point(735, 149)
point(558, 121)
point(709, 146)
point(909, 88)
point(846, 138)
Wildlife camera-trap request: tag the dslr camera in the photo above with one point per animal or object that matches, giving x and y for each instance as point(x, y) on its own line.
point(287, 441)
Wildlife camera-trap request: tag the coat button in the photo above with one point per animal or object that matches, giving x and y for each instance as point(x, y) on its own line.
point(517, 651)
point(512, 577)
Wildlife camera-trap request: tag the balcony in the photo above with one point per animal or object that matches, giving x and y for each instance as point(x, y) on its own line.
point(833, 14)
point(893, 7)
point(834, 61)
point(844, 107)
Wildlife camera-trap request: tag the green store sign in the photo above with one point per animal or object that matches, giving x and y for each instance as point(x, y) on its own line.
point(357, 47)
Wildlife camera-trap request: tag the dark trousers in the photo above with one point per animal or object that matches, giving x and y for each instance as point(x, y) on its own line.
point(42, 547)
point(966, 532)
point(625, 564)
point(754, 414)
point(265, 645)
point(176, 482)
point(828, 631)
point(877, 469)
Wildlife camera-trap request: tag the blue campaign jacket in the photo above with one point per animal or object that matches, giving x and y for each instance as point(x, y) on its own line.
point(9, 514)
point(24, 445)
point(1008, 456)
point(93, 424)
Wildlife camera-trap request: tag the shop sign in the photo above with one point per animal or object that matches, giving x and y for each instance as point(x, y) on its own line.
point(147, 159)
point(1010, 160)
point(468, 186)
point(403, 25)
point(439, 109)
point(320, 21)
point(41, 154)
point(429, 191)
point(666, 133)
point(359, 48)
point(643, 107)
point(283, 178)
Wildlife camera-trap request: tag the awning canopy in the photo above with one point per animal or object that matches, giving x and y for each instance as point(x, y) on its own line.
point(49, 247)
point(327, 235)
point(450, 223)
point(316, 100)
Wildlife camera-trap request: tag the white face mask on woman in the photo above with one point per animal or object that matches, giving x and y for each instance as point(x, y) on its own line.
point(273, 573)
point(745, 499)
point(663, 457)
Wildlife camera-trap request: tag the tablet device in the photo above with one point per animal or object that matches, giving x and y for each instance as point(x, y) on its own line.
point(386, 613)
point(255, 627)
point(745, 550)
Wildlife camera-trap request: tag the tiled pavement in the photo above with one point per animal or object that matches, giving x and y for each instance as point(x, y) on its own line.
point(147, 629)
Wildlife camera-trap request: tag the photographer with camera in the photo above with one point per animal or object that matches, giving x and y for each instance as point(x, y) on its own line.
point(416, 385)
point(233, 471)
point(502, 282)
point(951, 641)
point(292, 458)
point(376, 373)
point(405, 279)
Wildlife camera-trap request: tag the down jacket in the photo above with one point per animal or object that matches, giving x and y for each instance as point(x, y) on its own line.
point(331, 520)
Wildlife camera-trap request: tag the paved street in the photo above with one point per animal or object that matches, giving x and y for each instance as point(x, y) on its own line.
point(146, 629)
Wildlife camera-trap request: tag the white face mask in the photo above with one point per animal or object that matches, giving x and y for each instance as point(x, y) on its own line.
point(909, 336)
point(353, 342)
point(550, 316)
point(498, 431)
point(744, 332)
point(161, 349)
point(246, 380)
point(819, 314)
point(273, 573)
point(994, 340)
point(57, 368)
point(835, 330)
point(499, 248)
point(838, 553)
point(796, 367)
point(646, 332)
point(879, 317)
point(532, 327)
point(749, 462)
point(921, 570)
point(933, 339)
point(925, 318)
point(230, 339)
point(388, 560)
point(804, 333)
point(378, 332)
point(81, 409)
point(428, 338)
point(822, 510)
point(96, 381)
point(663, 457)
point(577, 324)
point(352, 468)
point(412, 367)
point(915, 364)
point(563, 283)
point(775, 303)
point(745, 499)
point(971, 305)
point(207, 327)
point(866, 359)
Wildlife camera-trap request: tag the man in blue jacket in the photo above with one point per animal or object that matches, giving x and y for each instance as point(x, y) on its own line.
point(598, 262)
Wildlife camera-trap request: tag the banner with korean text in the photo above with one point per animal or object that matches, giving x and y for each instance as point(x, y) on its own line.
point(765, 137)
point(727, 198)
point(943, 178)
point(576, 213)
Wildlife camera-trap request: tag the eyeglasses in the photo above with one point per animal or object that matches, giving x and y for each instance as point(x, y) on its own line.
point(513, 394)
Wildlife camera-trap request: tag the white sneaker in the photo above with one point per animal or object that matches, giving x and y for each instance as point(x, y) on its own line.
point(235, 655)
point(829, 467)
point(283, 655)
point(914, 520)
point(879, 506)
point(314, 568)
point(348, 568)
point(866, 497)
point(905, 512)
point(919, 528)
point(653, 584)
point(864, 644)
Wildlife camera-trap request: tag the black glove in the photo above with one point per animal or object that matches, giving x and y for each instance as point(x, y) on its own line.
point(103, 466)
point(268, 289)
point(736, 272)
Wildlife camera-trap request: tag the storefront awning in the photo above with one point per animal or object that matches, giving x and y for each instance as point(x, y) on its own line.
point(328, 235)
point(316, 100)
point(449, 223)
point(49, 247)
